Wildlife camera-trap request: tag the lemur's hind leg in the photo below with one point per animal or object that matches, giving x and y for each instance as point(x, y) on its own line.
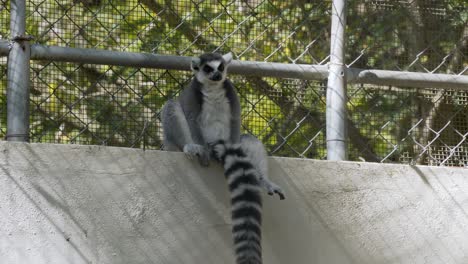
point(177, 135)
point(257, 153)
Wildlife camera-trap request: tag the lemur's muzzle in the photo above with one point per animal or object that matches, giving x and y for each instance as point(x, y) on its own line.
point(217, 76)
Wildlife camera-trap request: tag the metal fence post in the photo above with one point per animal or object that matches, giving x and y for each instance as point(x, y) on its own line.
point(18, 75)
point(336, 89)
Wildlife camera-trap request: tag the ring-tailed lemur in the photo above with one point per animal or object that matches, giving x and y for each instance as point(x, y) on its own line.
point(206, 111)
point(245, 168)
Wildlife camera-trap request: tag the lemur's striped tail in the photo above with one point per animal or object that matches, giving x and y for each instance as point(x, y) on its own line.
point(246, 202)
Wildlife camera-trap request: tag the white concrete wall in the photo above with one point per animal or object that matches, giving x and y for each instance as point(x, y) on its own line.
point(81, 204)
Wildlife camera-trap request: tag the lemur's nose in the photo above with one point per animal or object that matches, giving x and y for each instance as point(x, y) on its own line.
point(217, 76)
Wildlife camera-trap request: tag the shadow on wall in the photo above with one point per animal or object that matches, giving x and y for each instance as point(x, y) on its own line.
point(89, 204)
point(105, 206)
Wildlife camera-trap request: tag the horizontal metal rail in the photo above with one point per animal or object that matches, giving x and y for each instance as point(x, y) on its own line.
point(148, 60)
point(407, 79)
point(248, 68)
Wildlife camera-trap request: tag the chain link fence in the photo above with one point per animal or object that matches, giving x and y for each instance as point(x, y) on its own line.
point(120, 106)
point(408, 125)
point(404, 124)
point(4, 34)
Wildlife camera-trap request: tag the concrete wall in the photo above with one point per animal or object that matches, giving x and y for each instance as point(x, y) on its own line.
point(87, 204)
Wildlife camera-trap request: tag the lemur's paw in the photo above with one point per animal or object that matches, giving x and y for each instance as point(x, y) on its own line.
point(218, 151)
point(204, 158)
point(272, 188)
point(191, 150)
point(194, 150)
point(280, 194)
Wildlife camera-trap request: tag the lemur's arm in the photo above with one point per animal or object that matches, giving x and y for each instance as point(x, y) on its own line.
point(191, 102)
point(181, 129)
point(175, 127)
point(231, 94)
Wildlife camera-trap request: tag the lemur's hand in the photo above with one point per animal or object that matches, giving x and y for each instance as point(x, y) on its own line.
point(194, 150)
point(217, 149)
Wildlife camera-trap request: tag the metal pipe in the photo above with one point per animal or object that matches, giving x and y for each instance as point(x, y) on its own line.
point(336, 88)
point(148, 60)
point(105, 57)
point(279, 70)
point(248, 68)
point(408, 79)
point(18, 75)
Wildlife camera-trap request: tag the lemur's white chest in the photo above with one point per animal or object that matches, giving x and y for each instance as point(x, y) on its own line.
point(215, 117)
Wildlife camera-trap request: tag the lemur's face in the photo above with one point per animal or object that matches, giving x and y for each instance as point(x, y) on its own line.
point(210, 68)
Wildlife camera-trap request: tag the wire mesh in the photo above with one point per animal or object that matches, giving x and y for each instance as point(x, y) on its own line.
point(4, 35)
point(254, 30)
point(89, 104)
point(411, 35)
point(286, 114)
point(417, 126)
point(404, 124)
point(5, 16)
point(119, 106)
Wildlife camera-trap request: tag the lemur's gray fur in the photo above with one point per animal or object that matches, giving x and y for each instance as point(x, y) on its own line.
point(206, 111)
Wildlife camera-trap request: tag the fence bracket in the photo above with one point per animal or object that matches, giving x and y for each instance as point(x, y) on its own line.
point(21, 38)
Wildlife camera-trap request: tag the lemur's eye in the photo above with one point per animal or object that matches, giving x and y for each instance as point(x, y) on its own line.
point(221, 67)
point(207, 69)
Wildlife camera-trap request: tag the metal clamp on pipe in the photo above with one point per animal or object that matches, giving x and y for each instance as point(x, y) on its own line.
point(21, 38)
point(17, 137)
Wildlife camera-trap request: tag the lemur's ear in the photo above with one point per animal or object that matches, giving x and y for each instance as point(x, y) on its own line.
point(195, 65)
point(227, 57)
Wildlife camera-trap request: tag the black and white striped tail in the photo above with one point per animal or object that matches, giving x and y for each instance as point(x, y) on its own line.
point(246, 203)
